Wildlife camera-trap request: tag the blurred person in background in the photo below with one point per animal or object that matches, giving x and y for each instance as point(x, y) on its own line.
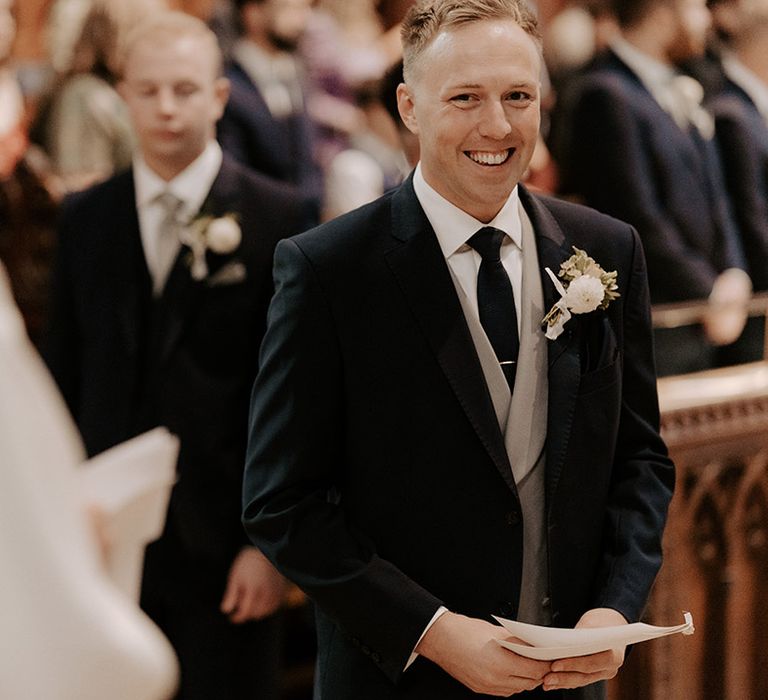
point(83, 125)
point(28, 193)
point(740, 107)
point(640, 148)
point(265, 124)
point(161, 293)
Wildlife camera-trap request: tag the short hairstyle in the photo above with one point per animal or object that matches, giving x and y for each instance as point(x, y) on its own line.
point(629, 13)
point(163, 26)
point(427, 18)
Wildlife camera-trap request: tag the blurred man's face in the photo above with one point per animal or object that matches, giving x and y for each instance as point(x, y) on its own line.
point(174, 98)
point(286, 21)
point(473, 103)
point(692, 22)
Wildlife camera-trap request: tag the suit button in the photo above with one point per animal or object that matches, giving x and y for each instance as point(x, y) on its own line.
point(506, 609)
point(365, 650)
point(376, 658)
point(513, 518)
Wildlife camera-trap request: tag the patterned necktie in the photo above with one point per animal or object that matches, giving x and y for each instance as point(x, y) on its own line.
point(496, 301)
point(167, 240)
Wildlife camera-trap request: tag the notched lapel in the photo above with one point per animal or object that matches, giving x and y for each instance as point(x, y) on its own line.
point(132, 281)
point(563, 353)
point(419, 267)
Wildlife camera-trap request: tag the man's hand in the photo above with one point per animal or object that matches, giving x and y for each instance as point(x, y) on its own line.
point(254, 588)
point(583, 670)
point(727, 312)
point(465, 648)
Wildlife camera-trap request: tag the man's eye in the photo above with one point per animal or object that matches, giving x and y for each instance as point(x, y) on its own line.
point(519, 96)
point(461, 98)
point(185, 90)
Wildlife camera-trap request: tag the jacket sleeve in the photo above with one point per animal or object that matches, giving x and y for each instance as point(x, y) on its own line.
point(296, 459)
point(642, 478)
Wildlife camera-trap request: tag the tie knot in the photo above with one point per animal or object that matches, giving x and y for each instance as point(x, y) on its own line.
point(170, 203)
point(487, 241)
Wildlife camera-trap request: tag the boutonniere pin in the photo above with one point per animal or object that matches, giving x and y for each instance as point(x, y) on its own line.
point(585, 288)
point(220, 235)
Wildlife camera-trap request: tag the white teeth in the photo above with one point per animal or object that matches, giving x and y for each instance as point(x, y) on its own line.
point(485, 158)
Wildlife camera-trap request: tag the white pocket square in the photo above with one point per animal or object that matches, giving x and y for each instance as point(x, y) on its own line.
point(231, 273)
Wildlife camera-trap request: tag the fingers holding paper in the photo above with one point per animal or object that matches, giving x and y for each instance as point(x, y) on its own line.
point(466, 648)
point(582, 670)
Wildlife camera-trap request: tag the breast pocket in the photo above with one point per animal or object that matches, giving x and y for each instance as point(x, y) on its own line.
point(599, 355)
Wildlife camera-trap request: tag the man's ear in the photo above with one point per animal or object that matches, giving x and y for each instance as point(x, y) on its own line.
point(221, 90)
point(406, 106)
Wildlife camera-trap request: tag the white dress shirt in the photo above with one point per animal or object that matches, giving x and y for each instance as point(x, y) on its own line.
point(755, 88)
point(191, 186)
point(453, 228)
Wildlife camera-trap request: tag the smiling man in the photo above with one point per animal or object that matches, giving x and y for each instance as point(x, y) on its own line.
point(422, 456)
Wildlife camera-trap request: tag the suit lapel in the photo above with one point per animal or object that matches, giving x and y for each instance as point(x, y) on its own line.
point(563, 353)
point(132, 282)
point(420, 269)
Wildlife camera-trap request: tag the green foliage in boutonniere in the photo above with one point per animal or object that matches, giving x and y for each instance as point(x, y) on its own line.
point(585, 288)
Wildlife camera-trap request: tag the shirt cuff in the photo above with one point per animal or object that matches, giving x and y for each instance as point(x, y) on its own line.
point(442, 609)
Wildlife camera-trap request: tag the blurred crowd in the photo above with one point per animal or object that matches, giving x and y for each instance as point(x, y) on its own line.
point(665, 128)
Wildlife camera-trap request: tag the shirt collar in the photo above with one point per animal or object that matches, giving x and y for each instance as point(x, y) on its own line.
point(654, 74)
point(755, 88)
point(453, 226)
point(191, 185)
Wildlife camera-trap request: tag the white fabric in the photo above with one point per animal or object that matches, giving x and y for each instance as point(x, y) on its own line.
point(454, 227)
point(67, 633)
point(191, 186)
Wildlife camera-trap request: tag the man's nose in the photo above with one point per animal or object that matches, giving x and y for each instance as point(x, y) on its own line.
point(494, 122)
point(166, 101)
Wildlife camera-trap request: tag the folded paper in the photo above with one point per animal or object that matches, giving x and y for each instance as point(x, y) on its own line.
point(549, 643)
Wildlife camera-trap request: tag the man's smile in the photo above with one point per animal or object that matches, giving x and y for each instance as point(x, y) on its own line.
point(490, 157)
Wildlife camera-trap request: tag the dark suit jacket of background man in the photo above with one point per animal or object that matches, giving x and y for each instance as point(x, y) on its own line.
point(126, 364)
point(627, 157)
point(377, 476)
point(742, 135)
point(279, 148)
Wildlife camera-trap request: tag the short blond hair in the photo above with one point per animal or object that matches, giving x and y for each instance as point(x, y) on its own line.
point(427, 18)
point(164, 26)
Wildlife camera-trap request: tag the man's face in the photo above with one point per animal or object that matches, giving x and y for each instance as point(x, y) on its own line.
point(174, 98)
point(692, 22)
point(474, 105)
point(286, 21)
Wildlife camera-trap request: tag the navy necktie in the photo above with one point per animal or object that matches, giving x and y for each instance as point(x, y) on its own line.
point(496, 301)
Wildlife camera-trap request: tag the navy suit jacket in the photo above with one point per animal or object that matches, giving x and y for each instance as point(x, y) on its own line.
point(281, 149)
point(126, 363)
point(376, 474)
point(742, 134)
point(627, 157)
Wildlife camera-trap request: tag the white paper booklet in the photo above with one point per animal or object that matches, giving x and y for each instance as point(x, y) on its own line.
point(549, 643)
point(131, 484)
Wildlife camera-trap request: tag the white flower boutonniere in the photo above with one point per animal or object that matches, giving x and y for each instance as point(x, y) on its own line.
point(586, 288)
point(220, 235)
